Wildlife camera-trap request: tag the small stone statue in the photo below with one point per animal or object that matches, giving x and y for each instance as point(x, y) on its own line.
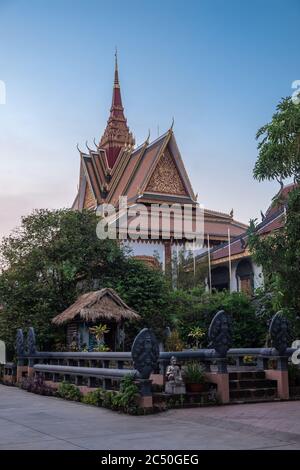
point(174, 384)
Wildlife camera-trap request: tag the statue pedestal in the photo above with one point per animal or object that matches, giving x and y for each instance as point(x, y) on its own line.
point(175, 389)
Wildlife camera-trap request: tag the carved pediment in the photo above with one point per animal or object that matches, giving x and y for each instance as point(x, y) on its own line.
point(89, 200)
point(166, 178)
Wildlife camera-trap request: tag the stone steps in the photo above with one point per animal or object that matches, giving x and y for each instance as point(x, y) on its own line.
point(251, 386)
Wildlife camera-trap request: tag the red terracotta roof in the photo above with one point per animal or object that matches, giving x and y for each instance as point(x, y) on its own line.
point(279, 199)
point(274, 220)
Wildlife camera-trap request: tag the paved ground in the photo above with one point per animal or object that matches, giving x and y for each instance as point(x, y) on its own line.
point(30, 421)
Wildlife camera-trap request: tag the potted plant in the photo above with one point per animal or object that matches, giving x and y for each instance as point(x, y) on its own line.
point(197, 334)
point(194, 377)
point(99, 331)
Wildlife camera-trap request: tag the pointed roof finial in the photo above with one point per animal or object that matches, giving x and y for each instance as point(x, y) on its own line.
point(117, 132)
point(116, 67)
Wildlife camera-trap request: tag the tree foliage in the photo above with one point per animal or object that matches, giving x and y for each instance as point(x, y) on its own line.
point(279, 144)
point(52, 258)
point(279, 253)
point(196, 308)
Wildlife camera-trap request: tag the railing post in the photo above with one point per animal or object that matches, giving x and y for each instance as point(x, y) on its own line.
point(20, 349)
point(222, 366)
point(240, 361)
point(279, 332)
point(220, 336)
point(262, 363)
point(145, 354)
point(30, 370)
point(31, 351)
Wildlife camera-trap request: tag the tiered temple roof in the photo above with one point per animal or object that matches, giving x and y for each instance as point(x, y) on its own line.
point(154, 172)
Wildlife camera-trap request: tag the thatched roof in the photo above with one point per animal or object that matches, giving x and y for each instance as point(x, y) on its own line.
point(104, 304)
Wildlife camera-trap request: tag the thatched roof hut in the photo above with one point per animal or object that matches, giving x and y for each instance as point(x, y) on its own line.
point(104, 305)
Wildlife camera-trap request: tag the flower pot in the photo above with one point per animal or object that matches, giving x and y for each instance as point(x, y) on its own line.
point(195, 388)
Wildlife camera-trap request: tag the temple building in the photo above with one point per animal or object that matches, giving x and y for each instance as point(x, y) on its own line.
point(232, 266)
point(151, 173)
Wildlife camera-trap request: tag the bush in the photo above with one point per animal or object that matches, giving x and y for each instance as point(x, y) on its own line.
point(36, 385)
point(94, 398)
point(196, 308)
point(69, 391)
point(174, 342)
point(107, 399)
point(126, 399)
point(194, 373)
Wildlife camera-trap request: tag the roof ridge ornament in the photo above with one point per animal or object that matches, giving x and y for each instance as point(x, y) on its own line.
point(80, 151)
point(172, 125)
point(95, 143)
point(86, 144)
point(148, 137)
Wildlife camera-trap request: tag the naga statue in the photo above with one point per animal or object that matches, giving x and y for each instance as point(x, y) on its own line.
point(145, 353)
point(220, 333)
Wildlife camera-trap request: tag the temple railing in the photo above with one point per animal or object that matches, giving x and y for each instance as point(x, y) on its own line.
point(116, 360)
point(105, 369)
point(89, 376)
point(119, 360)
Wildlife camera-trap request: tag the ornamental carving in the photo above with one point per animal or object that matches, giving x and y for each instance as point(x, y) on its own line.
point(220, 333)
point(20, 343)
point(31, 344)
point(145, 353)
point(165, 178)
point(89, 200)
point(279, 332)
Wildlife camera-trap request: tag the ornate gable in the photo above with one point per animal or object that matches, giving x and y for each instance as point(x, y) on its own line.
point(166, 178)
point(89, 200)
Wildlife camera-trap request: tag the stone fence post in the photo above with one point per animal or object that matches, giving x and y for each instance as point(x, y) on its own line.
point(220, 336)
point(145, 354)
point(279, 332)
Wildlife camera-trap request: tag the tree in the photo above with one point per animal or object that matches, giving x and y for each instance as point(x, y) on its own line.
point(279, 144)
point(194, 310)
point(52, 258)
point(279, 253)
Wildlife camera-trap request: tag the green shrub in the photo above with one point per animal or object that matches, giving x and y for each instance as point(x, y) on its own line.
point(126, 398)
point(174, 342)
point(107, 399)
point(196, 308)
point(194, 373)
point(69, 391)
point(94, 397)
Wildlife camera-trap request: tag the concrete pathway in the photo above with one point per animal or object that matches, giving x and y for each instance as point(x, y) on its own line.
point(30, 421)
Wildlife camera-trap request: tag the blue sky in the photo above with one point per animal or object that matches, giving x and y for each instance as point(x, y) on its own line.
point(219, 67)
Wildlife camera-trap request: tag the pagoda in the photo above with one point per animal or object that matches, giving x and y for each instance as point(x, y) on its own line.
point(151, 173)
